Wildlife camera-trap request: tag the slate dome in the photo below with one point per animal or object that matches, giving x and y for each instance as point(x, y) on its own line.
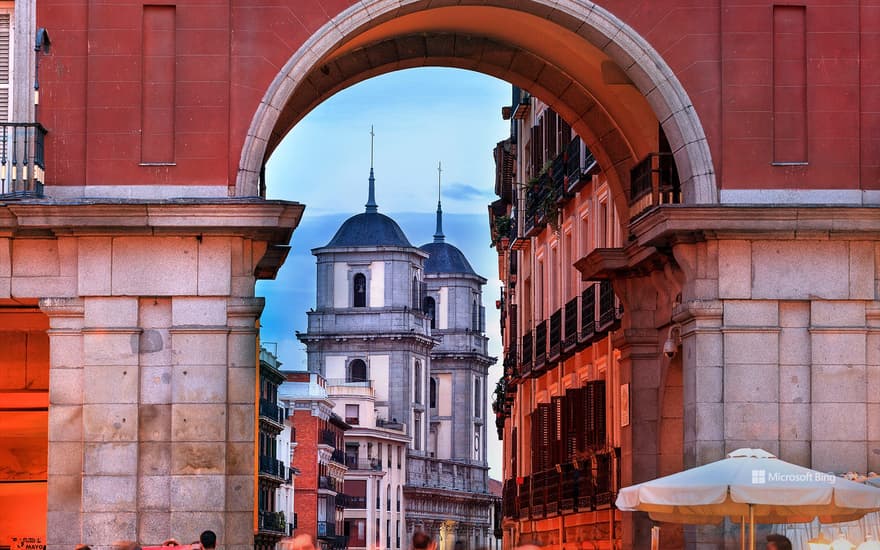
point(369, 229)
point(445, 258)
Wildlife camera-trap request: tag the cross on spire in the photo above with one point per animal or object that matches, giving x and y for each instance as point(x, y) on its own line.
point(438, 234)
point(371, 205)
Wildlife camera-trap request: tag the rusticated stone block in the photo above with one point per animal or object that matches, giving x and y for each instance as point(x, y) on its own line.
point(157, 266)
point(110, 458)
point(794, 346)
point(240, 458)
point(241, 422)
point(154, 492)
point(838, 348)
point(189, 525)
point(110, 422)
point(114, 384)
point(154, 458)
point(155, 385)
point(65, 458)
point(109, 493)
point(242, 349)
point(35, 258)
point(839, 422)
point(795, 270)
point(198, 311)
point(837, 313)
point(239, 493)
point(94, 266)
point(751, 348)
point(215, 266)
point(751, 421)
point(198, 493)
point(796, 452)
point(794, 384)
point(198, 422)
point(59, 526)
point(734, 269)
point(66, 387)
point(111, 348)
point(198, 348)
point(840, 456)
point(120, 312)
point(242, 382)
point(239, 525)
point(838, 383)
point(794, 421)
point(794, 314)
point(751, 313)
point(198, 458)
point(751, 383)
point(106, 527)
point(154, 527)
point(155, 422)
point(65, 423)
point(861, 270)
point(64, 493)
point(199, 384)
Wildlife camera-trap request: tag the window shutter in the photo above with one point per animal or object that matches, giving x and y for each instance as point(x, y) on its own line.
point(5, 65)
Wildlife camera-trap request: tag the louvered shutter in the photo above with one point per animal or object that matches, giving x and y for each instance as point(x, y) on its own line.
point(550, 117)
point(5, 65)
point(559, 430)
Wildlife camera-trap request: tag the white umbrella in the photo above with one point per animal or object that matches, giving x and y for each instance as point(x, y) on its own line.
point(753, 485)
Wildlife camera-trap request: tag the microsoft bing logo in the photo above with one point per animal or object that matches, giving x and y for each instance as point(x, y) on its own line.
point(759, 477)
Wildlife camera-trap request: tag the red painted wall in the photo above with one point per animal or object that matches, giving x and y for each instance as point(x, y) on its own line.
point(227, 53)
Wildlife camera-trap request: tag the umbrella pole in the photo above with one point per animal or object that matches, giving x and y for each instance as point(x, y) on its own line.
point(751, 528)
point(742, 533)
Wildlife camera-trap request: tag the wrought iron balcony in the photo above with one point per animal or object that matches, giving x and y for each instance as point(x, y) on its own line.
point(373, 465)
point(338, 456)
point(653, 181)
point(326, 529)
point(555, 335)
point(22, 160)
point(527, 350)
point(607, 309)
point(328, 437)
point(272, 522)
point(272, 412)
point(272, 467)
point(540, 345)
point(588, 313)
point(570, 337)
point(328, 483)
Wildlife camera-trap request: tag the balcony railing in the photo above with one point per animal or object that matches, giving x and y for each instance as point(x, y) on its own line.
point(540, 202)
point(607, 309)
point(22, 160)
point(373, 465)
point(326, 529)
point(588, 313)
point(328, 483)
point(349, 383)
point(555, 335)
point(351, 503)
point(271, 411)
point(653, 181)
point(540, 344)
point(272, 522)
point(328, 437)
point(571, 325)
point(273, 467)
point(338, 456)
point(527, 350)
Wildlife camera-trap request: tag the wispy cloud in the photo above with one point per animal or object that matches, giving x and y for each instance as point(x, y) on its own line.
point(464, 192)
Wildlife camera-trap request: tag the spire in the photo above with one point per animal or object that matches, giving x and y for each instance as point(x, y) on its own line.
point(438, 234)
point(371, 199)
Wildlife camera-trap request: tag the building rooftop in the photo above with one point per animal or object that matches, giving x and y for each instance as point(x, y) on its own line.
point(446, 258)
point(369, 229)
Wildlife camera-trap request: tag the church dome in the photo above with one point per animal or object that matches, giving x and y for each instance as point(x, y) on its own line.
point(369, 229)
point(445, 258)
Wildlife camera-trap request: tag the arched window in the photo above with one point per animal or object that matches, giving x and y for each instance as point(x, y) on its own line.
point(360, 290)
point(432, 393)
point(429, 308)
point(417, 380)
point(357, 371)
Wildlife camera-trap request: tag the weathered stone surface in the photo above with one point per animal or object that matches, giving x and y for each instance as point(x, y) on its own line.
point(751, 383)
point(121, 311)
point(839, 422)
point(109, 526)
point(709, 422)
point(155, 422)
point(793, 314)
point(109, 493)
point(199, 347)
point(198, 458)
point(191, 311)
point(66, 387)
point(110, 384)
point(239, 493)
point(751, 313)
point(192, 422)
point(64, 492)
point(751, 348)
point(793, 270)
point(108, 422)
point(59, 526)
point(94, 266)
point(794, 421)
point(796, 452)
point(861, 270)
point(242, 349)
point(838, 313)
point(158, 266)
point(838, 348)
point(734, 269)
point(840, 456)
point(154, 458)
point(241, 384)
point(66, 458)
point(154, 527)
point(188, 525)
point(751, 421)
point(111, 348)
point(65, 423)
point(238, 525)
point(794, 384)
point(838, 383)
point(198, 493)
point(110, 459)
point(215, 264)
point(199, 384)
point(240, 458)
point(154, 492)
point(155, 384)
point(794, 346)
point(35, 258)
point(241, 422)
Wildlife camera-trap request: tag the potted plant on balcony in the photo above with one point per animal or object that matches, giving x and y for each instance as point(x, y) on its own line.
point(501, 231)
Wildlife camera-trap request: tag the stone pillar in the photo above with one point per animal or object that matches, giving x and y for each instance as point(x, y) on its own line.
point(65, 518)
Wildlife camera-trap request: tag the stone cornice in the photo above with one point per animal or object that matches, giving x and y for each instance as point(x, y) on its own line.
point(268, 220)
point(674, 223)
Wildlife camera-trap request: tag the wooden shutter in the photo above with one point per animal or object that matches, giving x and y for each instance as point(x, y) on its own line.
point(559, 430)
point(5, 65)
point(550, 117)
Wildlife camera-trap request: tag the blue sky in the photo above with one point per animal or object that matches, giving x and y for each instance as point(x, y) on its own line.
point(421, 116)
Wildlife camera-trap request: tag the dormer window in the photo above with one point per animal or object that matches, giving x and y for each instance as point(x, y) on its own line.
point(360, 290)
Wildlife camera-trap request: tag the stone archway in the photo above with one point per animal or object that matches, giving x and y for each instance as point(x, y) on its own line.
point(339, 55)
